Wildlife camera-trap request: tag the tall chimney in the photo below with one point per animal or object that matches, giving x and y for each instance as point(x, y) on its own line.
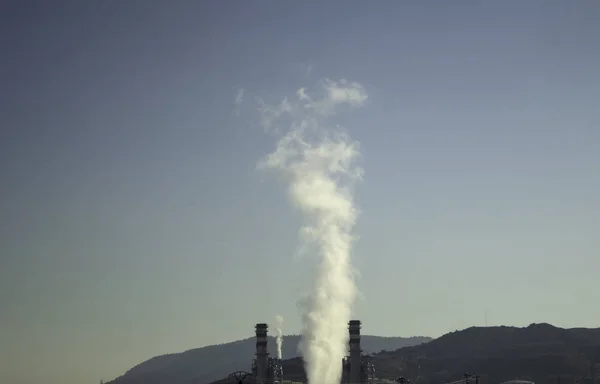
point(355, 351)
point(262, 354)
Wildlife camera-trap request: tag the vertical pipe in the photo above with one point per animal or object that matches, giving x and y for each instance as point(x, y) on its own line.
point(355, 352)
point(262, 354)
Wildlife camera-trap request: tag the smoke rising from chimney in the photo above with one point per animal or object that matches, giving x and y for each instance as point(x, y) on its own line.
point(279, 339)
point(316, 160)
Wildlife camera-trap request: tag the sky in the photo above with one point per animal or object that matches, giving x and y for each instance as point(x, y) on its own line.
point(134, 221)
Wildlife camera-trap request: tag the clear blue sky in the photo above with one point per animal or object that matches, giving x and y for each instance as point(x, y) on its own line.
point(133, 222)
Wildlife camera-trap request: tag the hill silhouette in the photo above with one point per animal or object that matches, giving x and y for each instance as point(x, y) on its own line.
point(207, 364)
point(540, 352)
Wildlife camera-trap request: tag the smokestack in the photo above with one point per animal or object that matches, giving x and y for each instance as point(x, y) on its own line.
point(355, 351)
point(262, 354)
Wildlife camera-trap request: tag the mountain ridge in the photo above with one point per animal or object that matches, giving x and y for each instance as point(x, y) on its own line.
point(541, 353)
point(210, 363)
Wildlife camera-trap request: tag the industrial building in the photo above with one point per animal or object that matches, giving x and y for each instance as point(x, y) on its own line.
point(356, 368)
point(265, 369)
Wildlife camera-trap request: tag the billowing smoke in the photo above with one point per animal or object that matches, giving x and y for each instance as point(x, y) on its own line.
point(279, 339)
point(316, 159)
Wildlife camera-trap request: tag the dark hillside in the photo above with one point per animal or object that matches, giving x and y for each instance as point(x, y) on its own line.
point(207, 364)
point(541, 353)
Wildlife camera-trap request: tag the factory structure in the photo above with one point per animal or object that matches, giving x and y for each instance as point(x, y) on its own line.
point(265, 369)
point(356, 368)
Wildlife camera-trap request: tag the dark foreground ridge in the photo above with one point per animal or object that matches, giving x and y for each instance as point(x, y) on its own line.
point(540, 353)
point(208, 364)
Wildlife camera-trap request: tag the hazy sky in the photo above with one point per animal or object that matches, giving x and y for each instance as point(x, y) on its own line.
point(134, 223)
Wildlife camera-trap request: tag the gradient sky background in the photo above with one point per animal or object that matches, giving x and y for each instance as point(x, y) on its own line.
point(133, 221)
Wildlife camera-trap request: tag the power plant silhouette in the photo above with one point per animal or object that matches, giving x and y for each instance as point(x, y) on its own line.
point(356, 368)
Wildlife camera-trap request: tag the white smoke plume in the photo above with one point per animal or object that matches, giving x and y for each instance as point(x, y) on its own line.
point(279, 339)
point(316, 160)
